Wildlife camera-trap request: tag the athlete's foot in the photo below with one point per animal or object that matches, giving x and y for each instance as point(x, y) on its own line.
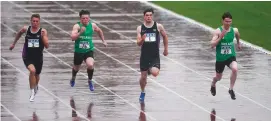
point(142, 97)
point(72, 82)
point(231, 92)
point(32, 97)
point(91, 86)
point(213, 90)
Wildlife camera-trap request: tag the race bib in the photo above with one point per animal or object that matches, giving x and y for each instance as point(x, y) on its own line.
point(150, 37)
point(225, 49)
point(84, 45)
point(33, 43)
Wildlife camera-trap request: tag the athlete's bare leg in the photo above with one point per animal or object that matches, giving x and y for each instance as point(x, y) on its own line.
point(154, 71)
point(213, 85)
point(90, 71)
point(32, 80)
point(143, 83)
point(233, 67)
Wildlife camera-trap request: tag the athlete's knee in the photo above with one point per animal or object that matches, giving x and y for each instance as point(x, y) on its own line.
point(218, 77)
point(76, 67)
point(155, 71)
point(233, 67)
point(90, 63)
point(32, 70)
point(143, 78)
point(90, 66)
point(234, 70)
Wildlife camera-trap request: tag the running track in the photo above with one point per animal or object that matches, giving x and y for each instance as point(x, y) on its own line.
point(180, 92)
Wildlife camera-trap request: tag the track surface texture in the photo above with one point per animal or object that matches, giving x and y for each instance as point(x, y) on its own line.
point(180, 92)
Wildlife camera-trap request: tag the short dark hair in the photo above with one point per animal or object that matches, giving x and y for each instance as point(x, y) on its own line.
point(148, 10)
point(226, 15)
point(84, 12)
point(35, 16)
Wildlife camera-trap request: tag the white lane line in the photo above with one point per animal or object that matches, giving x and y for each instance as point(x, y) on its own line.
point(191, 102)
point(174, 37)
point(10, 112)
point(44, 88)
point(176, 62)
point(204, 26)
point(71, 66)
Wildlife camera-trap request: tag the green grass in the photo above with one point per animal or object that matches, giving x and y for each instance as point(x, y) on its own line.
point(253, 19)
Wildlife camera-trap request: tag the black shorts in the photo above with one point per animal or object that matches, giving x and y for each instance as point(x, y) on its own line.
point(220, 65)
point(37, 62)
point(147, 62)
point(80, 57)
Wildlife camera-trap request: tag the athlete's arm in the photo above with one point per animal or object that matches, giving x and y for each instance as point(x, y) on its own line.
point(75, 34)
point(140, 39)
point(100, 32)
point(165, 38)
point(18, 36)
point(45, 38)
point(217, 36)
point(237, 35)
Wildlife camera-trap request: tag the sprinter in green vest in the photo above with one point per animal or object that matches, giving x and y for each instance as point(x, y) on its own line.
point(82, 33)
point(225, 52)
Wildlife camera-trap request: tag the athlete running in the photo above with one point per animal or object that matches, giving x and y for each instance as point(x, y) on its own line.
point(148, 37)
point(82, 34)
point(225, 52)
point(35, 40)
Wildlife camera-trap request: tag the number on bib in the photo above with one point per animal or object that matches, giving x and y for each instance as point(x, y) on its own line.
point(33, 43)
point(150, 37)
point(84, 45)
point(225, 49)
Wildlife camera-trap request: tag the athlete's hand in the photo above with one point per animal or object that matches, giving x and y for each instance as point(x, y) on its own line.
point(239, 46)
point(82, 29)
point(11, 46)
point(105, 44)
point(223, 33)
point(143, 37)
point(165, 52)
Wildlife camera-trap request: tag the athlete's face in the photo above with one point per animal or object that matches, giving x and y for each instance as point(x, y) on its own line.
point(227, 22)
point(35, 22)
point(85, 19)
point(148, 17)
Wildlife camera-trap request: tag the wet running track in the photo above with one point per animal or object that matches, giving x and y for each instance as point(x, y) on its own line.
point(180, 92)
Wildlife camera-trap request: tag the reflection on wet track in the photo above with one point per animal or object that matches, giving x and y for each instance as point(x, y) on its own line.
point(180, 92)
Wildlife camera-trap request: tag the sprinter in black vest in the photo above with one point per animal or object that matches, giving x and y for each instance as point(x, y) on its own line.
point(35, 40)
point(148, 37)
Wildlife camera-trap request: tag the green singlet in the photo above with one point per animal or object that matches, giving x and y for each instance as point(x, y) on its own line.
point(225, 48)
point(84, 42)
